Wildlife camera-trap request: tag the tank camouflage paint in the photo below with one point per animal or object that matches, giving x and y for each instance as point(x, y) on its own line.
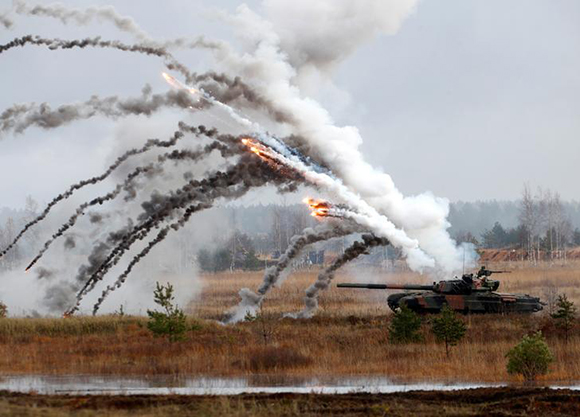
point(472, 294)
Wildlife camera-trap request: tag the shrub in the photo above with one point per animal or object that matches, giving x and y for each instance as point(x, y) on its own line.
point(565, 315)
point(170, 322)
point(530, 358)
point(405, 326)
point(448, 328)
point(3, 310)
point(265, 328)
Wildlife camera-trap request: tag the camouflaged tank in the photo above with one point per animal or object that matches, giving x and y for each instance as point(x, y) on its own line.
point(470, 294)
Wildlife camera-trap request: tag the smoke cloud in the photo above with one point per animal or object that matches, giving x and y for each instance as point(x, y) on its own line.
point(5, 21)
point(343, 25)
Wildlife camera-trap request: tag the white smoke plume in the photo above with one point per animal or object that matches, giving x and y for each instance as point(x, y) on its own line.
point(5, 21)
point(340, 27)
point(273, 72)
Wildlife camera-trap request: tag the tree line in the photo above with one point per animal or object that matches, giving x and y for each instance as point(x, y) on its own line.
point(544, 226)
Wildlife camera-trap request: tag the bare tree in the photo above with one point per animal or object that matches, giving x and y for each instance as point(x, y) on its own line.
point(529, 219)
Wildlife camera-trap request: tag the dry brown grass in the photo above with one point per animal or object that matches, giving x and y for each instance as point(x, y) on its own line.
point(347, 337)
point(220, 290)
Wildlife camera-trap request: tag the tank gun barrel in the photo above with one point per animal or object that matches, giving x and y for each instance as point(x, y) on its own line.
point(386, 286)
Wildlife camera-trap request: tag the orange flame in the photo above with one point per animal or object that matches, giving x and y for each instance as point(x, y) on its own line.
point(257, 148)
point(318, 208)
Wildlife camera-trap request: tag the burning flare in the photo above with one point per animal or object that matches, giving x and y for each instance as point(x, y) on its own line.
point(321, 208)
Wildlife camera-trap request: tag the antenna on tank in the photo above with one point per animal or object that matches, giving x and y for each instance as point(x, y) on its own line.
point(463, 260)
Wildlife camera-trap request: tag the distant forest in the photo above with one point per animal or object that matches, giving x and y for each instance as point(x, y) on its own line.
point(538, 222)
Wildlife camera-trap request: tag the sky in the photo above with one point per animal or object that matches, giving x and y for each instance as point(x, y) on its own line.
point(468, 100)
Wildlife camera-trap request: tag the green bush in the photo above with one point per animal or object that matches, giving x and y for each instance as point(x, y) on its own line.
point(171, 322)
point(405, 326)
point(3, 310)
point(530, 358)
point(448, 328)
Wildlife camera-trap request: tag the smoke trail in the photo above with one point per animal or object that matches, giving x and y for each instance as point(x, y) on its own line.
point(129, 186)
point(125, 24)
point(250, 301)
point(272, 149)
point(323, 282)
point(20, 117)
point(82, 17)
point(234, 89)
point(124, 241)
point(55, 43)
point(248, 173)
point(151, 143)
point(158, 239)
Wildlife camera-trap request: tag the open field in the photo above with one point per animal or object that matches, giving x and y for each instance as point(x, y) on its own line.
point(479, 402)
point(220, 290)
point(347, 337)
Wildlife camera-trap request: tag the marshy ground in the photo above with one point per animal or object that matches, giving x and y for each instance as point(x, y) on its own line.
point(480, 402)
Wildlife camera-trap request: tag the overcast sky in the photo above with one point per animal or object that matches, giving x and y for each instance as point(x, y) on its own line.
point(468, 100)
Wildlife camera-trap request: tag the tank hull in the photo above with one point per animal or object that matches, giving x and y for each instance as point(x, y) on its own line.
point(475, 303)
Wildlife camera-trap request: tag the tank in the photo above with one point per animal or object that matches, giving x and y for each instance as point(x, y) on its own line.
point(471, 294)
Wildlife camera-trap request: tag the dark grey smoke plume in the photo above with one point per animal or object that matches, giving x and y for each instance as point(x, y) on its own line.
point(158, 239)
point(231, 89)
point(20, 117)
point(323, 282)
point(151, 143)
point(108, 13)
point(250, 301)
point(55, 43)
point(227, 90)
point(235, 88)
point(248, 173)
point(129, 185)
point(58, 295)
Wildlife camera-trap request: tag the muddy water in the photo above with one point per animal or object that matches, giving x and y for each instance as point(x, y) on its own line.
point(160, 385)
